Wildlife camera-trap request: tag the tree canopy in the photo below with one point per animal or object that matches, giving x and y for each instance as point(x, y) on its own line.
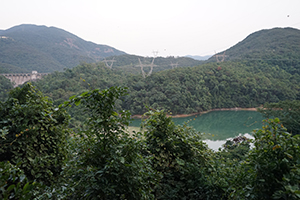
point(163, 161)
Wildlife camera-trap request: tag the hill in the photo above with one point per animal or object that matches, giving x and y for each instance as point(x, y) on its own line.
point(277, 46)
point(240, 82)
point(131, 63)
point(181, 90)
point(47, 49)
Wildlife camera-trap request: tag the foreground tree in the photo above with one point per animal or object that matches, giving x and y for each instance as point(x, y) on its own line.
point(13, 183)
point(33, 134)
point(272, 168)
point(109, 163)
point(178, 156)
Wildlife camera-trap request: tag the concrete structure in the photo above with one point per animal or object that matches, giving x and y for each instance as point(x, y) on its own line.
point(21, 78)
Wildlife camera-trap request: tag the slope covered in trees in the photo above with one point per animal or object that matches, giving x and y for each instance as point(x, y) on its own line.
point(277, 46)
point(236, 83)
point(181, 90)
point(47, 49)
point(223, 85)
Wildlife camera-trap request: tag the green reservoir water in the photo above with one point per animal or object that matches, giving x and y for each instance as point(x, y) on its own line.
point(217, 126)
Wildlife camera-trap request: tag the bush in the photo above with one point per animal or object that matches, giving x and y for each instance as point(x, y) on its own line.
point(109, 161)
point(273, 165)
point(13, 183)
point(33, 134)
point(178, 155)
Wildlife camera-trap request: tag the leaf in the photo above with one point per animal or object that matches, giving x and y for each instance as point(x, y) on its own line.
point(26, 187)
point(77, 102)
point(122, 159)
point(10, 188)
point(180, 161)
point(288, 155)
point(72, 97)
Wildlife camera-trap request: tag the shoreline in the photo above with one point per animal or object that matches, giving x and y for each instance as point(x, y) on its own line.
point(203, 112)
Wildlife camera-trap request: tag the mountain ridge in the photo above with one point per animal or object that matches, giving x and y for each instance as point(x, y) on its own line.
point(266, 41)
point(48, 49)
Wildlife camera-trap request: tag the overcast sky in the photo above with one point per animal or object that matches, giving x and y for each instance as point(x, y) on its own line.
point(171, 27)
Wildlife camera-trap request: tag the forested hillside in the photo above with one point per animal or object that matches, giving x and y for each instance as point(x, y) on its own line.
point(236, 83)
point(41, 157)
point(277, 46)
point(222, 85)
point(181, 90)
point(47, 49)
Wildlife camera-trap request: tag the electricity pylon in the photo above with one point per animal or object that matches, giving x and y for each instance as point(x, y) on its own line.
point(174, 65)
point(220, 56)
point(144, 74)
point(111, 62)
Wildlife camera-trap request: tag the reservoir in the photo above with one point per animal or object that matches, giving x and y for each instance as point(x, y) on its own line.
point(217, 126)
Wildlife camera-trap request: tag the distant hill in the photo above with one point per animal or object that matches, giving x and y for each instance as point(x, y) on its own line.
point(47, 49)
point(199, 57)
point(277, 46)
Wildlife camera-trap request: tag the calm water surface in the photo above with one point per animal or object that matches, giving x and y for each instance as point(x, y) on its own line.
point(217, 126)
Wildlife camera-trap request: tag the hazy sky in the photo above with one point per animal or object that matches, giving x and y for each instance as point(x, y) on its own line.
point(171, 27)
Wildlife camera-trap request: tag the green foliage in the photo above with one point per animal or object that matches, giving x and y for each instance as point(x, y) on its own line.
point(178, 156)
point(287, 111)
point(273, 165)
point(33, 134)
point(13, 183)
point(222, 85)
point(237, 148)
point(76, 81)
point(5, 86)
point(275, 47)
point(182, 90)
point(102, 161)
point(109, 161)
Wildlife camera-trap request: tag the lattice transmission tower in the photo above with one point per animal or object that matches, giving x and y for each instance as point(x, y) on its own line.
point(144, 74)
point(222, 56)
point(174, 65)
point(111, 62)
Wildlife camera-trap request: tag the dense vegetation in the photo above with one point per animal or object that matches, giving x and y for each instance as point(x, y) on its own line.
point(41, 158)
point(181, 90)
point(287, 111)
point(32, 133)
point(47, 49)
point(5, 87)
point(103, 161)
point(277, 46)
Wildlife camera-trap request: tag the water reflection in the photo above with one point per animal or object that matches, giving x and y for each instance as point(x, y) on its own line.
point(216, 144)
point(217, 126)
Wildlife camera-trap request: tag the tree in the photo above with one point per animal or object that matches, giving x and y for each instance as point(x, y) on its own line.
point(33, 134)
point(5, 86)
point(177, 155)
point(272, 167)
point(287, 111)
point(13, 183)
point(237, 148)
point(108, 160)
